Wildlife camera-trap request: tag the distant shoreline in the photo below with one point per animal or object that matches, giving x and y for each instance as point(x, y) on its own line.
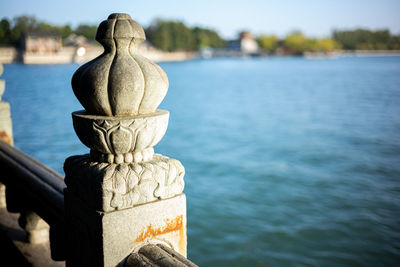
point(352, 53)
point(370, 53)
point(67, 55)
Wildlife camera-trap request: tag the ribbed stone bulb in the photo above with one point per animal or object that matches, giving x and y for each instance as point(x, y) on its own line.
point(120, 82)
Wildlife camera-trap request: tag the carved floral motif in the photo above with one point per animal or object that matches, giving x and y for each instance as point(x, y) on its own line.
point(121, 186)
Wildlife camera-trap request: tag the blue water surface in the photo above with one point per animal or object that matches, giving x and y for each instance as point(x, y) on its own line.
point(289, 161)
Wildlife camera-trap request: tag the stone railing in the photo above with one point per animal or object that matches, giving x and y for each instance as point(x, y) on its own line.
point(36, 192)
point(122, 204)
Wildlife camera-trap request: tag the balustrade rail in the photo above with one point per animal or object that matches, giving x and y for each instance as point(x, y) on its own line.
point(31, 186)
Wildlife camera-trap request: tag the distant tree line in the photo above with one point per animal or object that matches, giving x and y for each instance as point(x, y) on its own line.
point(10, 32)
point(366, 40)
point(163, 34)
point(170, 35)
point(173, 35)
point(359, 39)
point(296, 43)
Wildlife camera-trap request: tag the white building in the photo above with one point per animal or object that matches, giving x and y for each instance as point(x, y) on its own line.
point(245, 44)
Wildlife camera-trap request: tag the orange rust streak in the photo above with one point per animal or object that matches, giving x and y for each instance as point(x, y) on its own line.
point(4, 137)
point(182, 241)
point(171, 226)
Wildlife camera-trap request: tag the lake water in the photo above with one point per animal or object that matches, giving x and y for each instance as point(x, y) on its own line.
point(289, 161)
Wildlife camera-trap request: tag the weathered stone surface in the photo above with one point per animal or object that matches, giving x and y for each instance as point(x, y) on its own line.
point(5, 116)
point(106, 239)
point(2, 87)
point(35, 254)
point(108, 187)
point(3, 196)
point(120, 82)
point(5, 131)
point(5, 123)
point(122, 195)
point(37, 229)
point(2, 82)
point(157, 255)
point(121, 139)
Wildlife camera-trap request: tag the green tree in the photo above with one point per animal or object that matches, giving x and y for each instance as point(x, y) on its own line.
point(64, 31)
point(88, 31)
point(363, 39)
point(216, 41)
point(326, 45)
point(395, 42)
point(206, 38)
point(22, 24)
point(159, 35)
point(297, 43)
point(170, 35)
point(269, 43)
point(174, 35)
point(5, 32)
point(182, 38)
point(10, 33)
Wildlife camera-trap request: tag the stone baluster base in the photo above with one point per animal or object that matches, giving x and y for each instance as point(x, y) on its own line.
point(114, 208)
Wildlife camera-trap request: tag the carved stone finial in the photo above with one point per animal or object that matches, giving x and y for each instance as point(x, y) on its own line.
point(120, 91)
point(120, 82)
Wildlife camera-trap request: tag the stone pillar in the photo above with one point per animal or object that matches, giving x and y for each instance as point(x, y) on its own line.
point(122, 195)
point(5, 131)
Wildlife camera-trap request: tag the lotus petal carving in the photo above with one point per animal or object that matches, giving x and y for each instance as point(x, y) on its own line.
point(121, 135)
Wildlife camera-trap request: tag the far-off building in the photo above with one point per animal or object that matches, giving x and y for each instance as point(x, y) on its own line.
point(245, 44)
point(43, 48)
point(41, 43)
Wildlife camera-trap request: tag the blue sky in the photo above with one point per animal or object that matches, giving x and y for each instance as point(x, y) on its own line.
point(314, 18)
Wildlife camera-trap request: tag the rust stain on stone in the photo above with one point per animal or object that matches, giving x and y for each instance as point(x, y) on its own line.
point(182, 241)
point(170, 226)
point(4, 137)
